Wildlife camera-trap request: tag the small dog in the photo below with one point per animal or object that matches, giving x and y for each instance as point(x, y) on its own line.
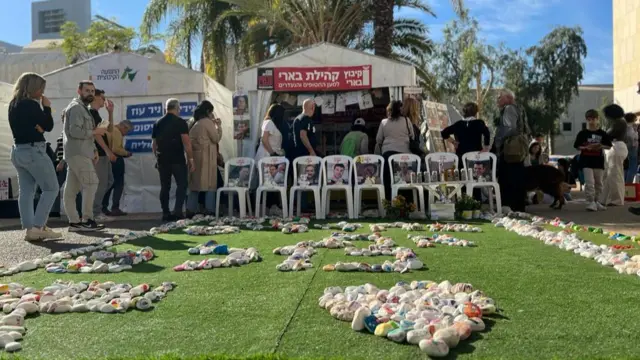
point(549, 180)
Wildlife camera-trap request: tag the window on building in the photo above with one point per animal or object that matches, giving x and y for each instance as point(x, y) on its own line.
point(50, 21)
point(584, 126)
point(566, 126)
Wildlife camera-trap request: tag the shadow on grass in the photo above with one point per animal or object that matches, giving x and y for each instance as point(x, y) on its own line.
point(157, 243)
point(146, 268)
point(57, 245)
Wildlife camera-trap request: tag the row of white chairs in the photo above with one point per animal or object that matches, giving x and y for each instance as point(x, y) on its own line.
point(323, 188)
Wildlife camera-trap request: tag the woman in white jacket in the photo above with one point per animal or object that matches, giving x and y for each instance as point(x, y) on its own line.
point(613, 189)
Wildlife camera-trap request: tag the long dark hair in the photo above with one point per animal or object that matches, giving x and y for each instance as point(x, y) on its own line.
point(394, 110)
point(202, 110)
point(276, 114)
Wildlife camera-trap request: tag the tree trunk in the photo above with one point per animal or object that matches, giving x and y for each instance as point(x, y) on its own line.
point(383, 27)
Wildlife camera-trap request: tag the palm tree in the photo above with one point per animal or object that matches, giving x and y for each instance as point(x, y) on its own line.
point(383, 15)
point(194, 23)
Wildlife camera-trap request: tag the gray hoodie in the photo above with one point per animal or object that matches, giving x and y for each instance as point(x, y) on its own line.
point(78, 137)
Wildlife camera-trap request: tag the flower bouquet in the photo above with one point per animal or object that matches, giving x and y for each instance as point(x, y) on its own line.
point(398, 207)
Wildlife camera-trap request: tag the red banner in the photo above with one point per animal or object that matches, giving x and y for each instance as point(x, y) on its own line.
point(322, 78)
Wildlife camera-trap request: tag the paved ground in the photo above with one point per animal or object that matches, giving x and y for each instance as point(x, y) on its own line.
point(15, 249)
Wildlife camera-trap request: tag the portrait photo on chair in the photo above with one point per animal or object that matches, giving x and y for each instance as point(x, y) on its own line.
point(481, 170)
point(239, 175)
point(308, 174)
point(368, 173)
point(403, 171)
point(337, 173)
point(274, 174)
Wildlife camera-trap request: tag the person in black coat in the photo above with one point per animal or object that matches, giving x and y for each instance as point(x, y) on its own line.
point(470, 134)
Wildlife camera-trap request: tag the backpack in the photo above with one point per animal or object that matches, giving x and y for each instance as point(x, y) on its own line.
point(350, 145)
point(516, 147)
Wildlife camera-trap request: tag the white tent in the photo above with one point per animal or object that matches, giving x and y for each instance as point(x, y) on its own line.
point(139, 87)
point(385, 73)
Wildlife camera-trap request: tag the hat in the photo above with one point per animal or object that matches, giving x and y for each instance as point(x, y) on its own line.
point(359, 121)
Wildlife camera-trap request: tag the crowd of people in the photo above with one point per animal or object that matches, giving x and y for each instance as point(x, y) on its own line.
point(89, 156)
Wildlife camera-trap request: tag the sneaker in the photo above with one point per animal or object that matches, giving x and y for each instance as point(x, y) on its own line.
point(33, 234)
point(77, 227)
point(169, 217)
point(103, 218)
point(50, 234)
point(592, 206)
point(92, 225)
point(634, 210)
point(600, 207)
point(117, 212)
point(107, 212)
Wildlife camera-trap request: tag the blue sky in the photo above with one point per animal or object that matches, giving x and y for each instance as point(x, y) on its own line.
point(517, 23)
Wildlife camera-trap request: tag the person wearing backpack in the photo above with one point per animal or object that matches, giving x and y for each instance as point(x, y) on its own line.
point(511, 144)
point(356, 142)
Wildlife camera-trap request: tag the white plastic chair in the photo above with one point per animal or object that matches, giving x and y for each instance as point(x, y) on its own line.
point(301, 184)
point(365, 184)
point(236, 185)
point(327, 186)
point(268, 184)
point(476, 156)
point(404, 184)
point(446, 158)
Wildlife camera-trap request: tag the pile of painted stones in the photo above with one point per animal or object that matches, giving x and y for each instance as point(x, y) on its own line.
point(437, 227)
point(235, 257)
point(20, 301)
point(199, 230)
point(57, 257)
point(436, 317)
point(104, 261)
point(343, 225)
point(406, 260)
point(569, 241)
point(423, 241)
point(208, 248)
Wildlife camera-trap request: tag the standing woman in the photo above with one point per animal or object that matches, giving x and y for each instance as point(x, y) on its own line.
point(631, 140)
point(411, 110)
point(205, 134)
point(613, 189)
point(270, 144)
point(471, 134)
point(29, 118)
point(394, 135)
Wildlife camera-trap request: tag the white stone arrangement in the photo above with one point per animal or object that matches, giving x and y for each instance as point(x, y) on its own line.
point(343, 225)
point(199, 230)
point(423, 241)
point(406, 260)
point(208, 248)
point(66, 296)
point(436, 317)
point(104, 261)
point(236, 257)
point(437, 227)
point(603, 254)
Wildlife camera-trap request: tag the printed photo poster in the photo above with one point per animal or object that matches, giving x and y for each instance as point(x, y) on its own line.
point(338, 171)
point(481, 169)
point(241, 116)
point(368, 170)
point(308, 173)
point(239, 175)
point(405, 170)
point(437, 115)
point(274, 174)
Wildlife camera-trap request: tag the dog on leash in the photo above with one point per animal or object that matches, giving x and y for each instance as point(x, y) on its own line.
point(549, 180)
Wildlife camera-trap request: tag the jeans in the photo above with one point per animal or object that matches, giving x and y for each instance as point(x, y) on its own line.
point(512, 187)
point(631, 172)
point(117, 168)
point(209, 201)
point(105, 181)
point(81, 177)
point(34, 168)
point(179, 173)
point(62, 176)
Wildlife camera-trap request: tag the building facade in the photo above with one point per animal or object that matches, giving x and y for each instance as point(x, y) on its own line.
point(626, 54)
point(48, 16)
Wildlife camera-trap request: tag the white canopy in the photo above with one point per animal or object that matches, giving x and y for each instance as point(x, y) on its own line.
point(136, 97)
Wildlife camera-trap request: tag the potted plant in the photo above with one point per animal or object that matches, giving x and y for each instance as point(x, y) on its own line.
point(477, 212)
point(465, 206)
point(398, 208)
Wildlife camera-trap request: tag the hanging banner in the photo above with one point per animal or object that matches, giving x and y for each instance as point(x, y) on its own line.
point(144, 111)
point(120, 74)
point(315, 78)
point(187, 109)
point(141, 128)
point(138, 145)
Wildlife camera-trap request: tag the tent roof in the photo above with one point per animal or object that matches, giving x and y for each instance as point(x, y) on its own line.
point(385, 72)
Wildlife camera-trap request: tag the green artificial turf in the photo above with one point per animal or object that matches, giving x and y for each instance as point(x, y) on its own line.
point(555, 304)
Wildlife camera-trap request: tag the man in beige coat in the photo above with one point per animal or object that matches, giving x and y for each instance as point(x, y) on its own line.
point(205, 134)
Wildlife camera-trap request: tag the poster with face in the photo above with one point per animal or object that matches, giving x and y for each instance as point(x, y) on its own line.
point(239, 175)
point(405, 171)
point(481, 170)
point(337, 172)
point(308, 174)
point(368, 173)
point(241, 117)
point(446, 165)
point(274, 174)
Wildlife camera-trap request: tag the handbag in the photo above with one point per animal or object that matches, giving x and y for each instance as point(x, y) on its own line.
point(414, 143)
